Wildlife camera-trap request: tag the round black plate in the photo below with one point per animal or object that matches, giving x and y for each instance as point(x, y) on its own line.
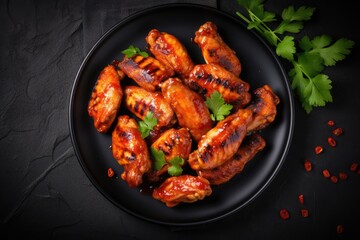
point(260, 66)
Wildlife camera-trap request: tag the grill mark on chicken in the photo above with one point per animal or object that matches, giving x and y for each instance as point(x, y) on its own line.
point(207, 78)
point(251, 145)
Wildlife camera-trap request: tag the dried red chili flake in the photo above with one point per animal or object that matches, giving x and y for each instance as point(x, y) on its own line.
point(339, 228)
point(319, 149)
point(330, 123)
point(353, 167)
point(331, 141)
point(343, 176)
point(307, 165)
point(334, 179)
point(338, 131)
point(304, 213)
point(301, 199)
point(110, 172)
point(284, 214)
point(326, 173)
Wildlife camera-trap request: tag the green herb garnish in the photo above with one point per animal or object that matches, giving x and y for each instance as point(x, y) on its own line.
point(175, 163)
point(307, 80)
point(218, 107)
point(147, 125)
point(132, 51)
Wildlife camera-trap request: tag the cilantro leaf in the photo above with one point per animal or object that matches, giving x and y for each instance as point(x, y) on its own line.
point(286, 48)
point(307, 81)
point(175, 169)
point(132, 51)
point(319, 90)
point(147, 124)
point(218, 107)
point(159, 158)
point(175, 163)
point(301, 14)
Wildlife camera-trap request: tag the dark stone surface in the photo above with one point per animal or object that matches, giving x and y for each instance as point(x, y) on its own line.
point(44, 191)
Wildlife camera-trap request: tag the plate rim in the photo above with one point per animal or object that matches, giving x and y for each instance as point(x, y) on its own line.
point(131, 17)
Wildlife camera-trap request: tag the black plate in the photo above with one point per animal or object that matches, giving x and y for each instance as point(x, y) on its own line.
point(260, 66)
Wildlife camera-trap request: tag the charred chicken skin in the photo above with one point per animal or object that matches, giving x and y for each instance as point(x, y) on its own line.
point(184, 188)
point(147, 72)
point(139, 101)
point(264, 108)
point(251, 145)
point(189, 107)
point(207, 78)
point(130, 151)
point(174, 143)
point(220, 144)
point(215, 50)
point(105, 99)
point(170, 51)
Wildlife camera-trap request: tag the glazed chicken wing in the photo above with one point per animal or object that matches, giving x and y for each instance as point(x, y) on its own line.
point(174, 143)
point(221, 142)
point(105, 99)
point(207, 78)
point(147, 72)
point(169, 50)
point(215, 50)
point(184, 188)
point(251, 145)
point(189, 107)
point(139, 101)
point(130, 151)
point(264, 108)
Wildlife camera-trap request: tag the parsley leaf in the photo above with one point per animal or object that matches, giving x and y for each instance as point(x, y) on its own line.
point(311, 86)
point(159, 158)
point(175, 169)
point(218, 107)
point(175, 163)
point(147, 125)
point(132, 51)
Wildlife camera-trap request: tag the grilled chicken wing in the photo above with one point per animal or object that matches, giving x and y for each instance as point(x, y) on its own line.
point(251, 145)
point(174, 143)
point(169, 50)
point(215, 50)
point(207, 78)
point(184, 188)
point(189, 107)
point(264, 108)
point(139, 101)
point(105, 99)
point(221, 142)
point(147, 72)
point(130, 150)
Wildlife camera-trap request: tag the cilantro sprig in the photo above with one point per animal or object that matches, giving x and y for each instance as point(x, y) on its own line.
point(147, 124)
point(218, 107)
point(175, 168)
point(132, 51)
point(309, 57)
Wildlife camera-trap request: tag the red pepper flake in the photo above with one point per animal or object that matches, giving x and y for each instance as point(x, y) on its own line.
point(110, 172)
point(307, 165)
point(339, 228)
point(331, 141)
point(343, 176)
point(301, 199)
point(353, 167)
point(319, 149)
point(284, 214)
point(304, 213)
point(330, 123)
point(334, 179)
point(338, 131)
point(326, 173)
